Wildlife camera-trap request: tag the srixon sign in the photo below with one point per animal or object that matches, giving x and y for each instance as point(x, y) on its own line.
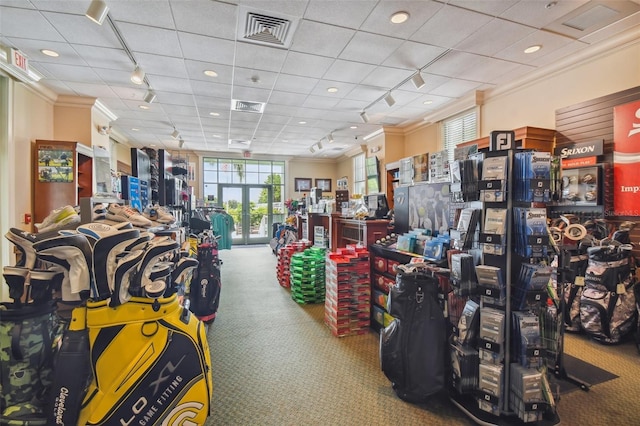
point(580, 154)
point(626, 159)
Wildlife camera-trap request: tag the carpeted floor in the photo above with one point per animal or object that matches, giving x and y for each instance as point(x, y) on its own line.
point(276, 363)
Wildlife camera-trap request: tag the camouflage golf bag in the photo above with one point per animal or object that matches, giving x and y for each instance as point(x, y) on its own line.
point(28, 337)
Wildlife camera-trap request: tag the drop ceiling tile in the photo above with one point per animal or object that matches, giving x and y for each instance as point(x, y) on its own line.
point(253, 94)
point(31, 48)
point(104, 57)
point(453, 63)
point(287, 98)
point(196, 69)
point(431, 81)
point(536, 14)
point(259, 57)
point(365, 93)
point(412, 55)
point(92, 90)
point(130, 92)
point(213, 102)
point(548, 41)
point(487, 69)
point(117, 106)
point(307, 65)
point(146, 39)
point(174, 110)
point(419, 12)
point(349, 14)
point(449, 26)
point(321, 39)
point(516, 72)
point(323, 85)
point(206, 49)
point(14, 21)
point(494, 37)
point(295, 83)
point(359, 48)
point(116, 77)
point(172, 98)
point(322, 102)
point(352, 105)
point(156, 13)
point(612, 30)
point(456, 88)
point(169, 84)
point(78, 29)
point(489, 7)
point(59, 87)
point(211, 89)
point(275, 118)
point(252, 78)
point(215, 19)
point(348, 71)
point(561, 53)
point(386, 77)
point(162, 65)
point(71, 73)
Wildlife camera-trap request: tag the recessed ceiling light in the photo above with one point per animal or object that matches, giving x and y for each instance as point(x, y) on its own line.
point(152, 144)
point(143, 107)
point(135, 129)
point(399, 17)
point(215, 114)
point(216, 136)
point(532, 49)
point(302, 122)
point(332, 89)
point(354, 127)
point(427, 102)
point(210, 73)
point(51, 53)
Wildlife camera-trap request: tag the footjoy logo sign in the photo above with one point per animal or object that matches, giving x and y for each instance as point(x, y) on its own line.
point(502, 140)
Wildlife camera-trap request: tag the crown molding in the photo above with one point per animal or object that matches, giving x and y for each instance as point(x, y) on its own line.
point(75, 101)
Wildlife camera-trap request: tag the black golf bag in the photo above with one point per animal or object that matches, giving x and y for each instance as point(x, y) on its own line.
point(204, 291)
point(412, 347)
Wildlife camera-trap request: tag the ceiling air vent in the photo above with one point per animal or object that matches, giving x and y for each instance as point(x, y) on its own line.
point(261, 28)
point(247, 106)
point(239, 143)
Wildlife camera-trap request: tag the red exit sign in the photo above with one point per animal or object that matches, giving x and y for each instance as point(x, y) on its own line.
point(19, 60)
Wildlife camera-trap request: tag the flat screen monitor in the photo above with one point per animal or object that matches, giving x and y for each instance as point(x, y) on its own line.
point(377, 205)
point(140, 164)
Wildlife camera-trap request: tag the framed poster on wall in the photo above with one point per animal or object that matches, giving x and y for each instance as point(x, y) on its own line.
point(55, 164)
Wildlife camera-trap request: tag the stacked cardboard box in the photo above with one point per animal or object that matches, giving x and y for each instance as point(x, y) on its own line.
point(308, 276)
point(348, 291)
point(283, 267)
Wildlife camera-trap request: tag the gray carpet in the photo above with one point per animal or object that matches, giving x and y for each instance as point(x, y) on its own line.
point(276, 363)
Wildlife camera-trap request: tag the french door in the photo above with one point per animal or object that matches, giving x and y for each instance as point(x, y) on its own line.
point(251, 207)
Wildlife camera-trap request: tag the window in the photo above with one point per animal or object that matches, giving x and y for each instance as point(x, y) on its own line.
point(359, 174)
point(460, 128)
point(234, 171)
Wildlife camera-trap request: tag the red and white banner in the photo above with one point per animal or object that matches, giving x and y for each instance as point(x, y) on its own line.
point(626, 159)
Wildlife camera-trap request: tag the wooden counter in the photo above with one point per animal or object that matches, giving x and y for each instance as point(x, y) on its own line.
point(351, 231)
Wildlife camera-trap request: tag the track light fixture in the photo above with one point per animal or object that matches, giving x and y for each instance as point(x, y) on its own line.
point(417, 80)
point(137, 77)
point(181, 143)
point(175, 133)
point(311, 149)
point(389, 100)
point(364, 117)
point(97, 11)
point(319, 145)
point(330, 138)
point(150, 96)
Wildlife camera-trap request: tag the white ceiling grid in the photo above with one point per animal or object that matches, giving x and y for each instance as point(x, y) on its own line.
point(460, 45)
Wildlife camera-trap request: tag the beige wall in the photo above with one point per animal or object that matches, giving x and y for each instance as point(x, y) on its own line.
point(535, 104)
point(314, 169)
point(423, 139)
point(72, 120)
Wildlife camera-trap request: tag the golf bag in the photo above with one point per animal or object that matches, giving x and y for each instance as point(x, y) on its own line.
point(150, 363)
point(573, 290)
point(28, 338)
point(636, 291)
point(608, 304)
point(412, 347)
point(204, 291)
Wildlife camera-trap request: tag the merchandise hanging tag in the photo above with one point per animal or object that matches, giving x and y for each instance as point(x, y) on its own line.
point(621, 289)
point(579, 281)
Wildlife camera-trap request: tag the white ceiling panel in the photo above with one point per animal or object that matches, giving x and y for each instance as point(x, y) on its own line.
point(14, 22)
point(146, 39)
point(412, 55)
point(449, 26)
point(468, 45)
point(356, 49)
point(321, 39)
point(497, 35)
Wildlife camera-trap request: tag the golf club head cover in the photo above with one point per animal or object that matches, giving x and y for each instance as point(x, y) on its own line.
point(76, 250)
point(105, 252)
point(24, 242)
point(41, 285)
point(15, 277)
point(154, 253)
point(125, 270)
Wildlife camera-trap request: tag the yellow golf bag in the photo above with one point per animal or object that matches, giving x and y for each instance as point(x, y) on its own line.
point(150, 364)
